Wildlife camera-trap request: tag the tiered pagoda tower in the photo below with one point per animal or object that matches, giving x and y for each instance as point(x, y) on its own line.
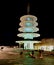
point(28, 30)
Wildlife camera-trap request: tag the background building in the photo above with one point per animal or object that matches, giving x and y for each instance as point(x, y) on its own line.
point(46, 45)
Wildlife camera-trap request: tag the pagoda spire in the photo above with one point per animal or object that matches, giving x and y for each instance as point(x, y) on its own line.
point(28, 8)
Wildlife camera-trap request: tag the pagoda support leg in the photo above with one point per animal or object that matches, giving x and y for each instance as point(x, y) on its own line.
point(19, 45)
point(28, 46)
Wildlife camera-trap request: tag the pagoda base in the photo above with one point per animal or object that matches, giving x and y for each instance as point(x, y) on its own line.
point(28, 44)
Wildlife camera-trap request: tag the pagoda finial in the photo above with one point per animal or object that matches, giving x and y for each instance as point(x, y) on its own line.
point(28, 8)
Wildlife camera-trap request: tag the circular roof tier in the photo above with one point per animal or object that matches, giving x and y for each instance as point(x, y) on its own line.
point(28, 35)
point(28, 18)
point(28, 23)
point(28, 29)
point(21, 42)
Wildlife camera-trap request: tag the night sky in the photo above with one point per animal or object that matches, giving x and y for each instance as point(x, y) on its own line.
point(11, 11)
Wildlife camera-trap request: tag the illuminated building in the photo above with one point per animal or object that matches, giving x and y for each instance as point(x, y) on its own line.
point(28, 31)
point(46, 45)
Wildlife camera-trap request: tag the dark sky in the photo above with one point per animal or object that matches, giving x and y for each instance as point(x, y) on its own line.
point(11, 11)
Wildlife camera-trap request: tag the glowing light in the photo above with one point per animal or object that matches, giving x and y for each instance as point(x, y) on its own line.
point(25, 17)
point(28, 44)
point(28, 35)
point(28, 19)
point(45, 48)
point(28, 41)
point(32, 23)
point(28, 29)
point(28, 24)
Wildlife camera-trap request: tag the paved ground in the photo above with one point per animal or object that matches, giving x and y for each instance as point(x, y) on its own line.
point(12, 57)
